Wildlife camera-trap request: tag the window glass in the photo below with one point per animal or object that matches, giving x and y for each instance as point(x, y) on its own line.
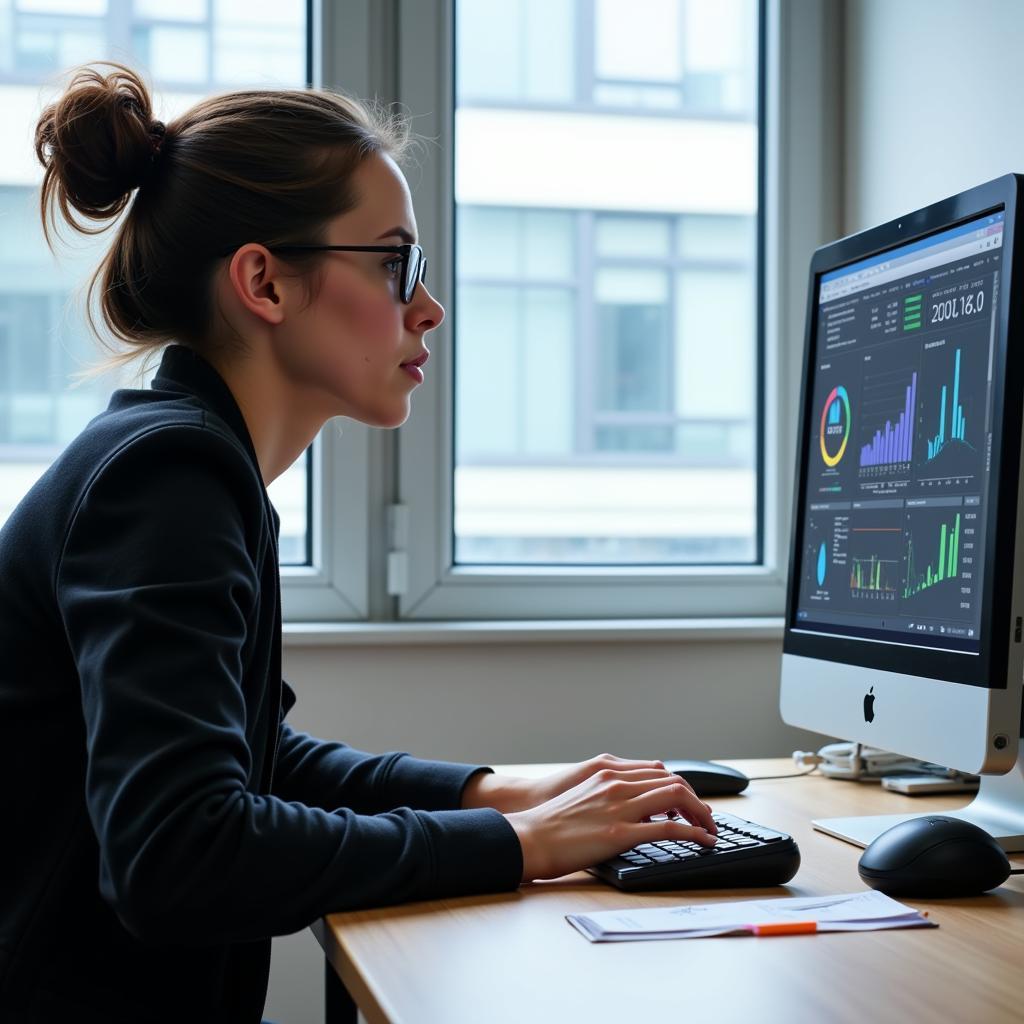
point(47, 392)
point(717, 55)
point(487, 373)
point(707, 237)
point(633, 236)
point(651, 97)
point(182, 10)
point(605, 344)
point(501, 244)
point(43, 46)
point(179, 54)
point(715, 317)
point(74, 7)
point(638, 41)
point(520, 370)
point(516, 52)
point(548, 250)
point(488, 243)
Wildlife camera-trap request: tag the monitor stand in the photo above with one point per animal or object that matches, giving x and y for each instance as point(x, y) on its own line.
point(998, 808)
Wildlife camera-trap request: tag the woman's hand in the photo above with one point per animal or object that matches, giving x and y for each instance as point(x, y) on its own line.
point(606, 813)
point(508, 793)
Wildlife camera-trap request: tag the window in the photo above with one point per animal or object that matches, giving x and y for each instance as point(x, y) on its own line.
point(671, 56)
point(187, 48)
point(596, 439)
point(605, 322)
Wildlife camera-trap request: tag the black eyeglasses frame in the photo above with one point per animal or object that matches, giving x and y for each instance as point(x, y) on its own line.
point(407, 285)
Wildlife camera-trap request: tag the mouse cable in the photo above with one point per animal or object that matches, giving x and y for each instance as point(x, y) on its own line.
point(792, 775)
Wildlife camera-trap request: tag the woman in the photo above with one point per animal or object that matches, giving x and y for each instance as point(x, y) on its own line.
point(162, 819)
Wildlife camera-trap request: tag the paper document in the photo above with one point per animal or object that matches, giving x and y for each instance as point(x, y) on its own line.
point(847, 912)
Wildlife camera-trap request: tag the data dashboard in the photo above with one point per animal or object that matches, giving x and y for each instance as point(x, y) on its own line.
point(898, 462)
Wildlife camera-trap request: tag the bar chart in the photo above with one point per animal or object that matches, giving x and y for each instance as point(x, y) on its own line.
point(957, 423)
point(942, 562)
point(894, 441)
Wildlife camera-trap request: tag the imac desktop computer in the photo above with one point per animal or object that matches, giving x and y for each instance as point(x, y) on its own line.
point(906, 575)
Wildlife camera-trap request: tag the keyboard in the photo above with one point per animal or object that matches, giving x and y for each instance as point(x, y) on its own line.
point(746, 854)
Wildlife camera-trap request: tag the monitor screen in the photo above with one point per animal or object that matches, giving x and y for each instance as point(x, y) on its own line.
point(892, 513)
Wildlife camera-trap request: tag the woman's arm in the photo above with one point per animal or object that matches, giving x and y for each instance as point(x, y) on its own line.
point(329, 774)
point(157, 590)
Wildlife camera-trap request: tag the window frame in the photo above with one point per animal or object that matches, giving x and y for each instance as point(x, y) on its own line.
point(799, 206)
point(348, 48)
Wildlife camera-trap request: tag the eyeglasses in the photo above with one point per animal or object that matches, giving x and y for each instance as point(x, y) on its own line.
point(414, 263)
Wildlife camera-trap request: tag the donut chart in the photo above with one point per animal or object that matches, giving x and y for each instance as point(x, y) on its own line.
point(835, 426)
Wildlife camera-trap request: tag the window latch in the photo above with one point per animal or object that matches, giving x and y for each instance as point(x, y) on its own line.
point(398, 557)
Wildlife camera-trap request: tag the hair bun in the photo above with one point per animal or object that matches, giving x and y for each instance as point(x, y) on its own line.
point(97, 142)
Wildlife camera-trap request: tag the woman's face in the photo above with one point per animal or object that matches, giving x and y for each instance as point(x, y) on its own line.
point(352, 344)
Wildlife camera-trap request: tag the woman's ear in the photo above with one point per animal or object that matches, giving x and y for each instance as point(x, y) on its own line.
point(254, 280)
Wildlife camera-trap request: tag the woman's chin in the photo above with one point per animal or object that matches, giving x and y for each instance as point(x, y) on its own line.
point(387, 419)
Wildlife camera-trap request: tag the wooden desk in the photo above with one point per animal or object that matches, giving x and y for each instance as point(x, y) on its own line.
point(514, 958)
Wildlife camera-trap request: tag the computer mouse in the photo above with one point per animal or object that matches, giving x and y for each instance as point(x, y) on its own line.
point(709, 778)
point(934, 855)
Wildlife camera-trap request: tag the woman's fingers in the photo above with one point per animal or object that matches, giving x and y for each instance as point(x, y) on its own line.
point(690, 805)
point(656, 831)
point(641, 775)
point(636, 775)
point(616, 762)
point(671, 796)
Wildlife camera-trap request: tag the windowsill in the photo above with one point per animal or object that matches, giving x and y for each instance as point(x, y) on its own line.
point(329, 634)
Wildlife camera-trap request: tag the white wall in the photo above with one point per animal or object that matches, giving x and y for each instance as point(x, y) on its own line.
point(933, 101)
point(545, 701)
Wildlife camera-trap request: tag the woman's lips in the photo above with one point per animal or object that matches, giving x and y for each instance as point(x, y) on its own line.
point(413, 367)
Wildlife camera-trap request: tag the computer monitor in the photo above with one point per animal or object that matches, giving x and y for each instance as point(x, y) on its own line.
point(905, 605)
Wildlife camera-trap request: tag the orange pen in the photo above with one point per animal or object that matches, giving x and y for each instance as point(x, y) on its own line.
point(785, 928)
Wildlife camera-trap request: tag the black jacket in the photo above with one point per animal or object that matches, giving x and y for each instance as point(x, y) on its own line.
point(160, 819)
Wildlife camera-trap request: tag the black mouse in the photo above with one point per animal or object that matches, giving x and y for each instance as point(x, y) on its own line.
point(708, 778)
point(934, 855)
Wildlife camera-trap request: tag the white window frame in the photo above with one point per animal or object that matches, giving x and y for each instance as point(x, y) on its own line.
point(352, 52)
point(364, 569)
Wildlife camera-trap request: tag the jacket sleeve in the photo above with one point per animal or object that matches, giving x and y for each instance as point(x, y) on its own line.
point(157, 588)
point(328, 774)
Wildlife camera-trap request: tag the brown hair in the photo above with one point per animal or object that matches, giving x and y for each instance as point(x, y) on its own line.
point(255, 166)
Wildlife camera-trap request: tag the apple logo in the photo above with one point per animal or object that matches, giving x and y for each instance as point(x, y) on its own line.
point(869, 705)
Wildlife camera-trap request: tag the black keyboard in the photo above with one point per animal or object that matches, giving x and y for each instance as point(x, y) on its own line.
point(745, 854)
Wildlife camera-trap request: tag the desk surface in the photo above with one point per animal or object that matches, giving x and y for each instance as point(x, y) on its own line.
point(513, 957)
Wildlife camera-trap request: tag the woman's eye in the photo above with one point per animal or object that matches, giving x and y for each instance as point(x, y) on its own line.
point(393, 266)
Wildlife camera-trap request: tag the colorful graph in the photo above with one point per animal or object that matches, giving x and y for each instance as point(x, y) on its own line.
point(874, 574)
point(833, 430)
point(822, 564)
point(957, 423)
point(946, 565)
point(894, 443)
